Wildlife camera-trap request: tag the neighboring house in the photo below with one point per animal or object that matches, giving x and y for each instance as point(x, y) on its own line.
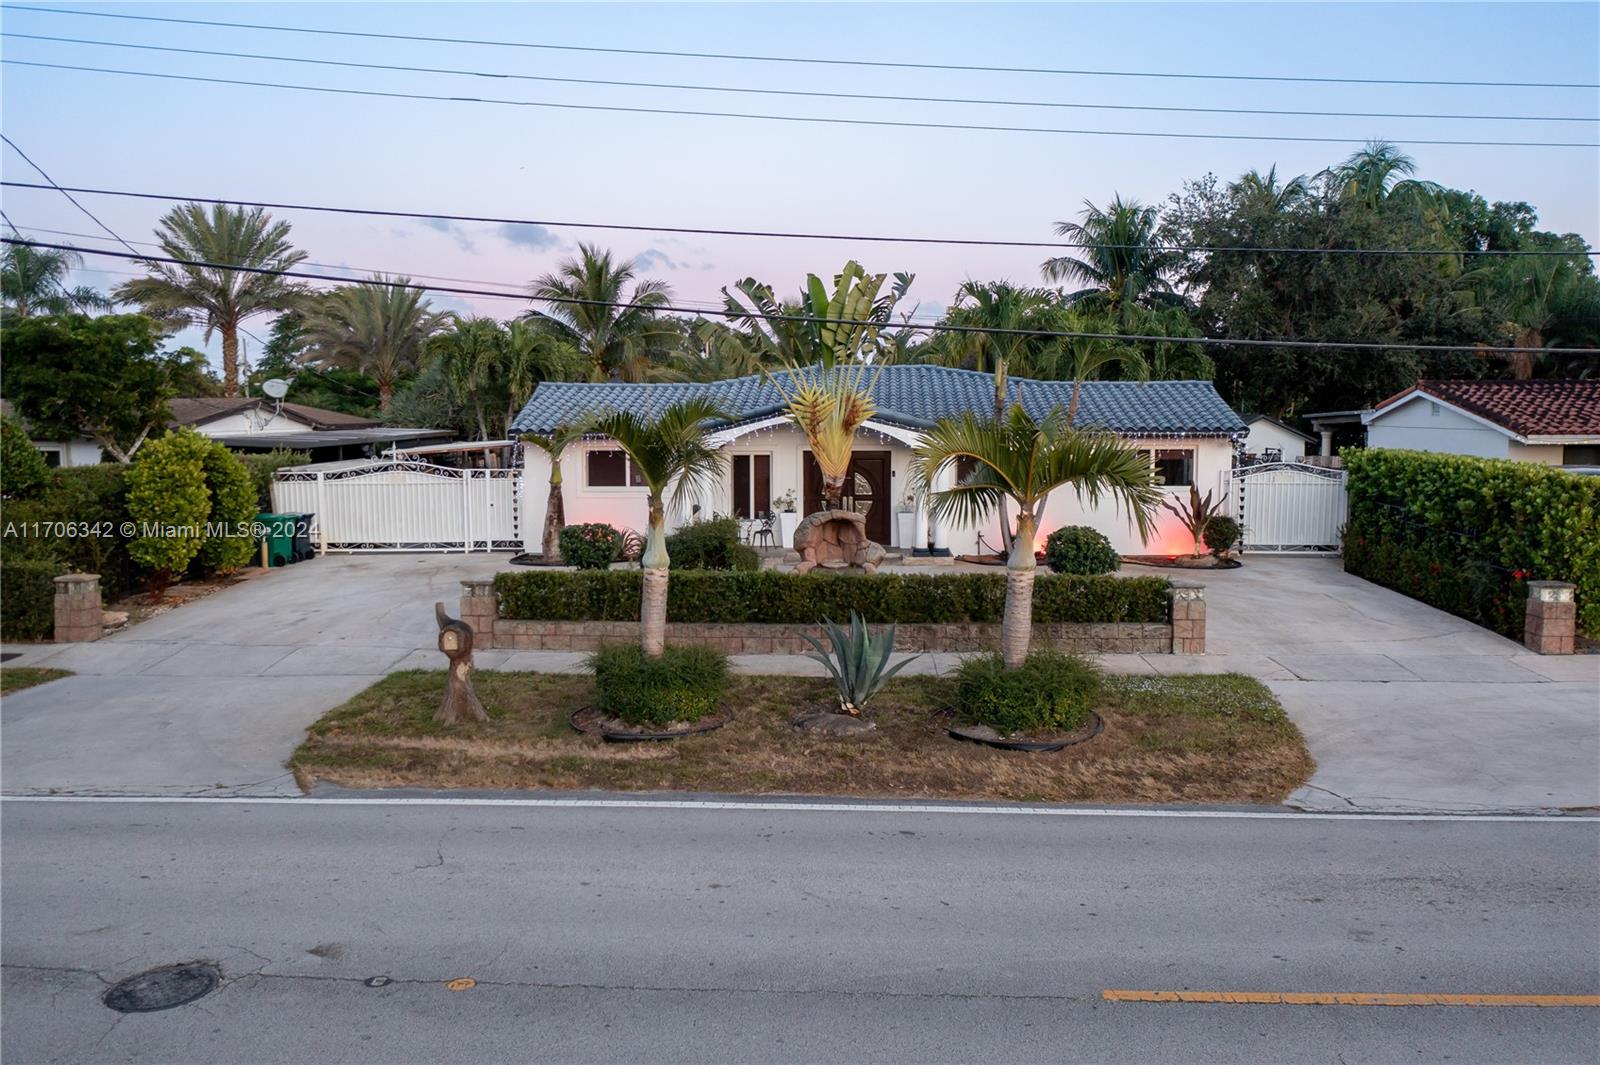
point(1268, 437)
point(262, 424)
point(1556, 423)
point(1184, 426)
point(79, 451)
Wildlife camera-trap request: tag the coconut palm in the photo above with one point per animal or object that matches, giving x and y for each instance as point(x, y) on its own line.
point(1002, 307)
point(1265, 191)
point(1546, 302)
point(187, 292)
point(1122, 261)
point(828, 404)
point(34, 280)
point(1378, 173)
point(670, 451)
point(1023, 461)
point(617, 329)
point(378, 327)
point(553, 443)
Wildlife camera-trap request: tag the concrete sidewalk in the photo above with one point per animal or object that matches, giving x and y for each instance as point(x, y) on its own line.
point(1403, 706)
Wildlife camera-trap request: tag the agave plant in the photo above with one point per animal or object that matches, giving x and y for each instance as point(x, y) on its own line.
point(859, 661)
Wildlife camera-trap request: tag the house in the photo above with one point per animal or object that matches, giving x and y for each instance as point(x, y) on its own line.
point(1270, 440)
point(1184, 426)
point(1556, 423)
point(246, 423)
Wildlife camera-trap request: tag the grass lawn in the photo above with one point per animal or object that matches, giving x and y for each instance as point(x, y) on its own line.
point(15, 678)
point(1220, 739)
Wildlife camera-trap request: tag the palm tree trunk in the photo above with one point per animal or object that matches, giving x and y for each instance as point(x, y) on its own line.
point(653, 608)
point(385, 392)
point(555, 514)
point(833, 493)
point(230, 360)
point(1016, 628)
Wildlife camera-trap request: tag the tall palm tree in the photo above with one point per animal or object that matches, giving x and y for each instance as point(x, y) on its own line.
point(553, 444)
point(34, 280)
point(1002, 307)
point(1122, 262)
point(670, 451)
point(1266, 192)
point(377, 327)
point(528, 356)
point(1380, 172)
point(583, 294)
point(469, 356)
point(1023, 460)
point(188, 292)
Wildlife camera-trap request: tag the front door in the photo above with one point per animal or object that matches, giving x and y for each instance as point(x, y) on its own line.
point(866, 491)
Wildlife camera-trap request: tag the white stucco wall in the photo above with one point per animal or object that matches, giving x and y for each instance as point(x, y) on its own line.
point(1264, 434)
point(79, 452)
point(627, 507)
point(234, 424)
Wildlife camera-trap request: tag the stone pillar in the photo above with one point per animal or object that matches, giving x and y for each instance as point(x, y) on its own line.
point(78, 608)
point(1327, 442)
point(1188, 618)
point(479, 609)
point(1551, 622)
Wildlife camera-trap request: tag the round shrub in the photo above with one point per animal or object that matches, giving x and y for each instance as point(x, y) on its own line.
point(711, 544)
point(1081, 550)
point(684, 684)
point(23, 471)
point(594, 545)
point(1221, 534)
point(167, 497)
point(230, 544)
point(1049, 692)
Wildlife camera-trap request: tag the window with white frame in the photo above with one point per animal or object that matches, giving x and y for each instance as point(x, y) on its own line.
point(1174, 466)
point(611, 468)
point(752, 485)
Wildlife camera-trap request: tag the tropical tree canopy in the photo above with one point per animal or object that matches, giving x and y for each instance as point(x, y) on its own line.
point(34, 281)
point(378, 327)
point(824, 327)
point(598, 306)
point(1121, 261)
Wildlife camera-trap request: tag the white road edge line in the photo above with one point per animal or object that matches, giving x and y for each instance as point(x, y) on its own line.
point(796, 807)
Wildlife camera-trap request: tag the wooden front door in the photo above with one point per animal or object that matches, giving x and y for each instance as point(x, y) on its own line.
point(866, 491)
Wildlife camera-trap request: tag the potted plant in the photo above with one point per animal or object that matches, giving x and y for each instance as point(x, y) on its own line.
point(906, 522)
point(788, 518)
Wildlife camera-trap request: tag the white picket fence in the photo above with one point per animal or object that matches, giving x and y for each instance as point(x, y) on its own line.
point(1288, 507)
point(395, 505)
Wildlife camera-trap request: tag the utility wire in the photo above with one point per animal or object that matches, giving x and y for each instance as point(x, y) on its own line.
point(752, 116)
point(802, 59)
point(1348, 345)
point(92, 217)
point(1208, 249)
point(812, 93)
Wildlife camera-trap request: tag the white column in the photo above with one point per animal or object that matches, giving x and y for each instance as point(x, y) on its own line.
point(919, 539)
point(944, 480)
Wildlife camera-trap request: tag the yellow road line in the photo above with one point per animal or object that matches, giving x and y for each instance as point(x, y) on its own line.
point(1358, 998)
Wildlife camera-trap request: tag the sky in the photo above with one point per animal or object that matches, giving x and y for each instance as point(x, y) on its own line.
point(178, 138)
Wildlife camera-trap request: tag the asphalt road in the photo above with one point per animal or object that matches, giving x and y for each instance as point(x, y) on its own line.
point(639, 934)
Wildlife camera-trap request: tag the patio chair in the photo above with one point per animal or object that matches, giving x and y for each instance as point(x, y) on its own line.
point(764, 534)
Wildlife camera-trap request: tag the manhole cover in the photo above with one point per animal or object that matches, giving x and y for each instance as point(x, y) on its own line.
point(163, 988)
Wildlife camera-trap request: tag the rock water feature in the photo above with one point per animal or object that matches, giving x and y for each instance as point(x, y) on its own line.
point(835, 539)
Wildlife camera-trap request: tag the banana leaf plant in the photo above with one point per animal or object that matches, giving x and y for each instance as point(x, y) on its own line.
point(858, 662)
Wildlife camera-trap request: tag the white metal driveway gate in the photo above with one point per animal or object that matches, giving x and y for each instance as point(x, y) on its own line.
point(396, 505)
point(1288, 506)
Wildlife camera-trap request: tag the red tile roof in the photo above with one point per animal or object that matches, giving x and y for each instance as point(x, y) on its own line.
point(1527, 408)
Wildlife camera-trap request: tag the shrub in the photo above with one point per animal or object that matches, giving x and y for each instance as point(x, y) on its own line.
point(23, 471)
point(167, 488)
point(1221, 534)
point(28, 608)
point(1080, 549)
point(92, 497)
point(591, 546)
point(1467, 534)
point(232, 492)
point(775, 597)
point(711, 544)
point(684, 684)
point(262, 466)
point(1049, 692)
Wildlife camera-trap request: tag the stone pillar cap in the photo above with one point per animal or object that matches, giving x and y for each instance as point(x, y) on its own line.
point(77, 578)
point(1531, 584)
point(1179, 582)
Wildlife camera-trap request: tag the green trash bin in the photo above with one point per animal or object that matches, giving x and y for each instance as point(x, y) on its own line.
point(279, 537)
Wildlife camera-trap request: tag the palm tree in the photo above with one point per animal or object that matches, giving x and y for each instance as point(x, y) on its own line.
point(669, 451)
point(35, 279)
point(469, 356)
point(378, 327)
point(1023, 460)
point(527, 357)
point(187, 292)
point(1264, 191)
point(619, 331)
point(553, 444)
point(1122, 260)
point(1545, 302)
point(1380, 172)
point(1002, 307)
point(828, 404)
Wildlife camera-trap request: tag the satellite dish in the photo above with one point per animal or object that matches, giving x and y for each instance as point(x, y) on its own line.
point(276, 387)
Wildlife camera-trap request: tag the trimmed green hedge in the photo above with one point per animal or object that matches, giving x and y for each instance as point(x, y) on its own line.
point(775, 597)
point(28, 608)
point(1467, 534)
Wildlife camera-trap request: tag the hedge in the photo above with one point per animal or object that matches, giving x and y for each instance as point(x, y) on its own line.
point(28, 608)
point(776, 597)
point(93, 497)
point(1466, 534)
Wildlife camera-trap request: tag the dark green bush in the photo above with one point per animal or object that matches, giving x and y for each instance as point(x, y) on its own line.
point(233, 495)
point(262, 466)
point(775, 597)
point(590, 546)
point(1222, 533)
point(28, 607)
point(23, 471)
point(1467, 534)
point(1049, 692)
point(1081, 550)
point(92, 498)
point(711, 544)
point(684, 684)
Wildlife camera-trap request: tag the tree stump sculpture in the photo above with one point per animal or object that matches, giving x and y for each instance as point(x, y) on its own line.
point(461, 704)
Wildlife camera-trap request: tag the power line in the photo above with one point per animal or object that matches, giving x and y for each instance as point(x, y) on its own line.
point(890, 64)
point(92, 217)
point(1348, 345)
point(752, 116)
point(811, 93)
point(1208, 249)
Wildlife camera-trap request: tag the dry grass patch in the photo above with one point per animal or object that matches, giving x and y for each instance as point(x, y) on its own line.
point(1167, 739)
point(16, 678)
